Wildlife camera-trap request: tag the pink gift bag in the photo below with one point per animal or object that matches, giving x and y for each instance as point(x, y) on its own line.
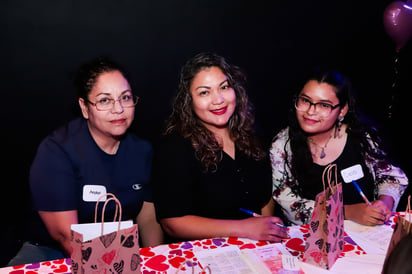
point(325, 241)
point(106, 247)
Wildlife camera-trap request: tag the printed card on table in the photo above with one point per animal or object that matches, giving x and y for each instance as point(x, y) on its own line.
point(261, 260)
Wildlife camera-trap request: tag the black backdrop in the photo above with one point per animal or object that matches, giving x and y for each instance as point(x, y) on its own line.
point(43, 42)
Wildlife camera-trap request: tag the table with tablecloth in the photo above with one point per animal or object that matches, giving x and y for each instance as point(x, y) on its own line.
point(180, 257)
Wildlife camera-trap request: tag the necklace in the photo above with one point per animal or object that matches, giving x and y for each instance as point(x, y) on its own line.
point(322, 152)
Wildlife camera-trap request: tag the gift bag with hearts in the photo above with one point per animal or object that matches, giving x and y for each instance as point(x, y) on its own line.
point(106, 247)
point(325, 239)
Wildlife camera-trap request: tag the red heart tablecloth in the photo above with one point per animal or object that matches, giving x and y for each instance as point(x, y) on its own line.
point(169, 258)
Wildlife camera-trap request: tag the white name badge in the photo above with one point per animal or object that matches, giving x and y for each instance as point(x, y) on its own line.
point(92, 192)
point(352, 173)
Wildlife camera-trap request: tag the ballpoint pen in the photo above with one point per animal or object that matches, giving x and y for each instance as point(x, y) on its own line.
point(250, 212)
point(361, 192)
point(350, 175)
point(254, 214)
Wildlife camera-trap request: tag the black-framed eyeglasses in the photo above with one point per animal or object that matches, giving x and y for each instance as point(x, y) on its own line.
point(323, 109)
point(107, 103)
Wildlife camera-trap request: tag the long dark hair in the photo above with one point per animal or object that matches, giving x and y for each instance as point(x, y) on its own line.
point(361, 133)
point(241, 125)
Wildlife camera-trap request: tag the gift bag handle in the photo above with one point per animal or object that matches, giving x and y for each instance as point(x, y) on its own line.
point(112, 197)
point(328, 171)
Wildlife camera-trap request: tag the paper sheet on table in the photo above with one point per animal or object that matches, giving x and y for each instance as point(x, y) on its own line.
point(372, 239)
point(313, 269)
point(359, 264)
point(223, 260)
point(260, 260)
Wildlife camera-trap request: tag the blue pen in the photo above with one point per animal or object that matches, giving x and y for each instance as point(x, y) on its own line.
point(250, 212)
point(351, 174)
point(361, 192)
point(254, 214)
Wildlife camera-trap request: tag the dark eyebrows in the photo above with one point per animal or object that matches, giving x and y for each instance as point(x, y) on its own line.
point(321, 101)
point(126, 91)
point(224, 82)
point(199, 87)
point(108, 94)
point(207, 87)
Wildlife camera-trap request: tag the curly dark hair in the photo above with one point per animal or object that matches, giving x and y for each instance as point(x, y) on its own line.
point(361, 132)
point(241, 125)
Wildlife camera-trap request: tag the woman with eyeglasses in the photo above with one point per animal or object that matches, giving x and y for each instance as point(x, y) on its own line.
point(88, 157)
point(210, 171)
point(324, 128)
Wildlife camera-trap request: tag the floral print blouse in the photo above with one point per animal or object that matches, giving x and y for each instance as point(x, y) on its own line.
point(389, 180)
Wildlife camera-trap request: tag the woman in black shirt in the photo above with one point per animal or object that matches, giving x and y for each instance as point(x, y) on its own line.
point(209, 163)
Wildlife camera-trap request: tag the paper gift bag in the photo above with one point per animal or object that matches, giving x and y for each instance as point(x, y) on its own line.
point(106, 247)
point(403, 227)
point(325, 239)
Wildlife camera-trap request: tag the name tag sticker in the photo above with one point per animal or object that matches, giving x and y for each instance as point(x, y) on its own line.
point(92, 192)
point(352, 173)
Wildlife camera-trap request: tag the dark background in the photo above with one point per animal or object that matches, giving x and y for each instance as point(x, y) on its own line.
point(275, 42)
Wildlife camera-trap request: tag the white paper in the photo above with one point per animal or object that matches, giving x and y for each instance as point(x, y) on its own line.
point(259, 260)
point(94, 230)
point(360, 264)
point(291, 263)
point(313, 269)
point(254, 260)
point(372, 239)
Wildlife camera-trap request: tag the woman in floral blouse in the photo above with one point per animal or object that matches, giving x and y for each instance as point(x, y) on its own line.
point(324, 128)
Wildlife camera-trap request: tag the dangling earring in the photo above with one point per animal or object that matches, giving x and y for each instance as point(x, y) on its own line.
point(340, 119)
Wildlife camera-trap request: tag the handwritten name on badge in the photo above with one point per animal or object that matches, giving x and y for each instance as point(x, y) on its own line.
point(92, 192)
point(352, 173)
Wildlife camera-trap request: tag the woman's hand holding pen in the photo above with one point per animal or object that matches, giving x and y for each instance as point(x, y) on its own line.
point(375, 213)
point(264, 228)
point(382, 205)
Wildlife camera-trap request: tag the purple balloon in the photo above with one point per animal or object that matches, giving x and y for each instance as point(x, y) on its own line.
point(397, 19)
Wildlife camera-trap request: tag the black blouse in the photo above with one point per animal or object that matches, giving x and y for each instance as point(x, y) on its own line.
point(349, 157)
point(180, 187)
